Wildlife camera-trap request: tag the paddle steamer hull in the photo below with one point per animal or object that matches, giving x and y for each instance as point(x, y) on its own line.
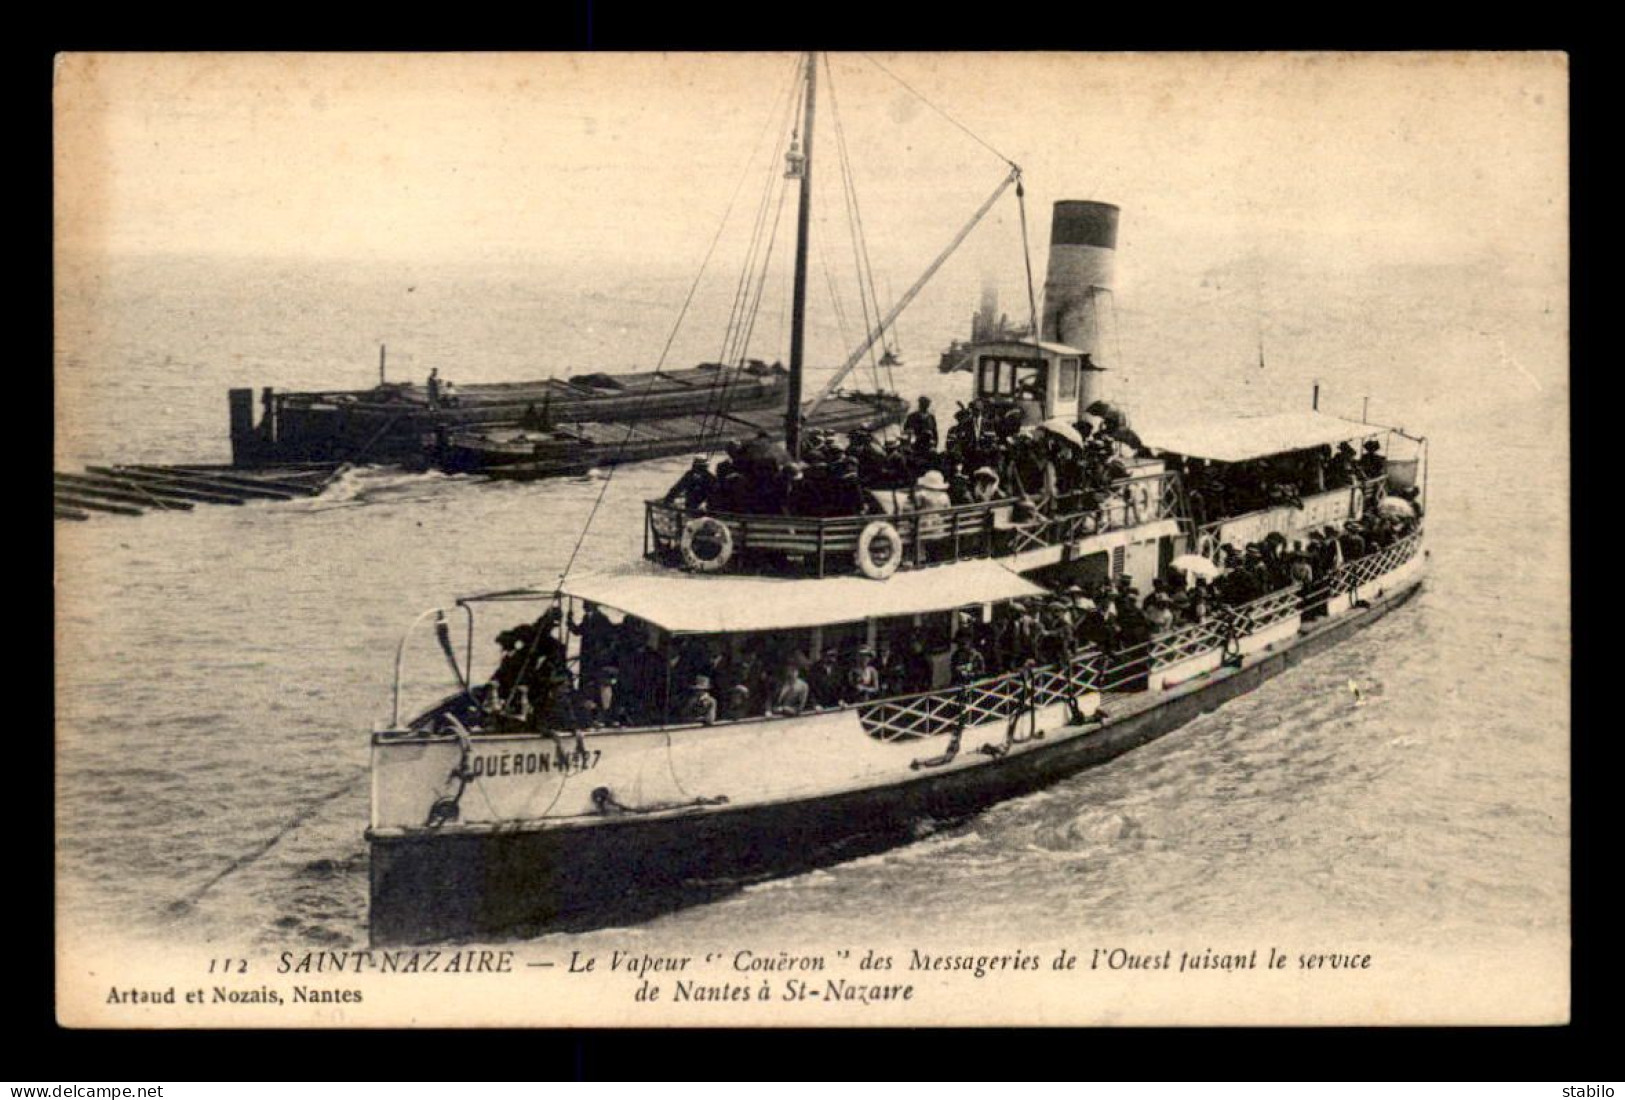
point(592, 870)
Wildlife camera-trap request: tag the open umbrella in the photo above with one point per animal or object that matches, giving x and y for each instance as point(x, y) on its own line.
point(1066, 431)
point(1197, 564)
point(1396, 506)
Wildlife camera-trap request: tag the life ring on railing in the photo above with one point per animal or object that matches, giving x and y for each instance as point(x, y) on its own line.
point(1140, 500)
point(704, 533)
point(1208, 547)
point(879, 562)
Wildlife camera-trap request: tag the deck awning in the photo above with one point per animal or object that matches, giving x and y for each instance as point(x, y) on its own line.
point(686, 603)
point(1240, 438)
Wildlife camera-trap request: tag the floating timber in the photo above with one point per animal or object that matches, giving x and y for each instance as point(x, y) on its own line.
point(134, 490)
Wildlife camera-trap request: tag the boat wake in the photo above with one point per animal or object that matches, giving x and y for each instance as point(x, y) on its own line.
point(380, 486)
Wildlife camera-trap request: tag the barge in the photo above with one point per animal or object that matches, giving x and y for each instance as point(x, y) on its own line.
point(772, 689)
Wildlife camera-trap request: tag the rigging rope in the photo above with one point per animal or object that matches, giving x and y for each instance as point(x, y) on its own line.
point(968, 131)
point(741, 289)
point(631, 427)
point(860, 246)
point(1027, 255)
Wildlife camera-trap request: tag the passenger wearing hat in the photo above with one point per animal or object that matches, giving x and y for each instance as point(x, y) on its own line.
point(597, 636)
point(965, 662)
point(1159, 612)
point(932, 488)
point(863, 681)
point(1342, 470)
point(695, 488)
point(920, 429)
point(931, 494)
point(700, 705)
point(985, 485)
point(512, 666)
point(1023, 638)
point(1372, 464)
point(1352, 542)
point(826, 685)
point(790, 695)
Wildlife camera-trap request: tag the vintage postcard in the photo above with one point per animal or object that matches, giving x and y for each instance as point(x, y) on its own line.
point(811, 539)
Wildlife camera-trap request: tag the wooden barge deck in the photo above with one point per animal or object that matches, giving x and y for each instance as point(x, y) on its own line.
point(395, 422)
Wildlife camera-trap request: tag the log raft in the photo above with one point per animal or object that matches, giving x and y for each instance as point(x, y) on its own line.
point(135, 490)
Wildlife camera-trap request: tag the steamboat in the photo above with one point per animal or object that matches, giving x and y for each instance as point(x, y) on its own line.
point(820, 656)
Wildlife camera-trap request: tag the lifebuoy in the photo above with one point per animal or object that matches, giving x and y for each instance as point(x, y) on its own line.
point(698, 535)
point(1208, 547)
point(1142, 503)
point(878, 563)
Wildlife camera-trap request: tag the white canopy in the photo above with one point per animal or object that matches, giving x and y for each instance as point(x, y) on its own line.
point(1239, 438)
point(687, 603)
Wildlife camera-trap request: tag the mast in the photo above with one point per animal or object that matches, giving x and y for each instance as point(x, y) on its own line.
point(798, 302)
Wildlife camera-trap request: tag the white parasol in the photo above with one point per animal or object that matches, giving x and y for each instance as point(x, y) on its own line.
point(1195, 563)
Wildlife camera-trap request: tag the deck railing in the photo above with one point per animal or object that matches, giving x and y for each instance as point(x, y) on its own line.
point(823, 546)
point(1010, 694)
point(1373, 565)
point(1005, 696)
point(1189, 641)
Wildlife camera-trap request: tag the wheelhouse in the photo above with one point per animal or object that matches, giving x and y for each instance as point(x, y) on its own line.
point(1045, 380)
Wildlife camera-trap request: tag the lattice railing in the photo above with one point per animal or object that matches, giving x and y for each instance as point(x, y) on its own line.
point(1127, 503)
point(1001, 697)
point(1373, 565)
point(997, 698)
point(1264, 612)
point(1187, 642)
point(1126, 669)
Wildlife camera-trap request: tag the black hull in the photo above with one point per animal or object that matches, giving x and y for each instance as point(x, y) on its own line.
point(623, 870)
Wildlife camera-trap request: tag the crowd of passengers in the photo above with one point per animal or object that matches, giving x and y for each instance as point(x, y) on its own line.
point(985, 456)
point(1218, 490)
point(623, 678)
point(991, 454)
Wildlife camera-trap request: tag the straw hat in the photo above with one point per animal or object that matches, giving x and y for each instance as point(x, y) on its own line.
point(932, 479)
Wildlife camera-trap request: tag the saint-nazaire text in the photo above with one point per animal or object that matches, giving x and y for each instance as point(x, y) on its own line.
point(422, 961)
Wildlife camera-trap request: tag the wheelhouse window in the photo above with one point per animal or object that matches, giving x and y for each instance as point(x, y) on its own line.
point(1069, 379)
point(1002, 376)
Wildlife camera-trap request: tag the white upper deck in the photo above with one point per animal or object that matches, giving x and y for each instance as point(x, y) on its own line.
point(1237, 439)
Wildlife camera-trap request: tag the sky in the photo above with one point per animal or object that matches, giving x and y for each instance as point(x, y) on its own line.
point(624, 160)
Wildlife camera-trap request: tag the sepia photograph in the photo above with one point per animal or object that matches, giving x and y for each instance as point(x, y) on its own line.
point(811, 539)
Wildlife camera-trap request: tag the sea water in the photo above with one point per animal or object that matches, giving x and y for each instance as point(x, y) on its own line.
point(218, 671)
